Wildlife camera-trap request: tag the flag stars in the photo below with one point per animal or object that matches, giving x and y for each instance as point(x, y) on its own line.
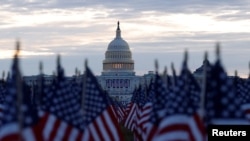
point(232, 107)
point(231, 95)
point(225, 114)
point(223, 88)
point(224, 100)
point(28, 120)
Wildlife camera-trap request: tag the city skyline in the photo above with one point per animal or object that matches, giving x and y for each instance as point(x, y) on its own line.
point(162, 30)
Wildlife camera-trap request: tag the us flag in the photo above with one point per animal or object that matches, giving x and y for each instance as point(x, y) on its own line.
point(182, 121)
point(61, 110)
point(100, 121)
point(20, 118)
point(222, 104)
point(2, 98)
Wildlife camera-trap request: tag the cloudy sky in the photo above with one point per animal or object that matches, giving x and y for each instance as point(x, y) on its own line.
point(154, 29)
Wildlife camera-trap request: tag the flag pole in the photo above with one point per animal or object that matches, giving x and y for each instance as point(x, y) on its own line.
point(84, 84)
point(3, 76)
point(19, 91)
point(185, 68)
point(235, 73)
point(165, 73)
point(40, 83)
point(203, 92)
point(156, 66)
point(174, 74)
point(249, 70)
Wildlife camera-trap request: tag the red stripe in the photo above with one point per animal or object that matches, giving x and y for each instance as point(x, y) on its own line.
point(151, 133)
point(130, 119)
point(107, 127)
point(98, 130)
point(247, 111)
point(91, 137)
point(12, 137)
point(54, 130)
point(79, 136)
point(128, 108)
point(177, 127)
point(115, 124)
point(200, 125)
point(39, 127)
point(191, 135)
point(67, 133)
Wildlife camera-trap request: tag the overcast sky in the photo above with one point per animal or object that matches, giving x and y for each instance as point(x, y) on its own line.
point(154, 29)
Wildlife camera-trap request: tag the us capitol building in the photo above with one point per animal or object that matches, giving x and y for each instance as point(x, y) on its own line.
point(118, 77)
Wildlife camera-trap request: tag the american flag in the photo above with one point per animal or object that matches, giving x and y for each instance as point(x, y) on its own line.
point(159, 90)
point(129, 122)
point(242, 87)
point(2, 98)
point(19, 115)
point(98, 116)
point(144, 113)
point(114, 107)
point(222, 105)
point(244, 92)
point(61, 110)
point(140, 102)
point(182, 121)
point(119, 110)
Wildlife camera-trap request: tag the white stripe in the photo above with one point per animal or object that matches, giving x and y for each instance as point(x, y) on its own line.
point(86, 135)
point(111, 125)
point(93, 132)
point(102, 128)
point(130, 116)
point(121, 111)
point(245, 107)
point(172, 120)
point(28, 134)
point(177, 119)
point(73, 134)
point(61, 131)
point(41, 113)
point(11, 128)
point(49, 127)
point(175, 135)
point(195, 129)
point(248, 116)
point(144, 118)
point(148, 130)
point(113, 110)
point(132, 119)
point(1, 106)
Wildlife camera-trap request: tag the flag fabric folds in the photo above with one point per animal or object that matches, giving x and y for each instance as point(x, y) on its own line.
point(99, 118)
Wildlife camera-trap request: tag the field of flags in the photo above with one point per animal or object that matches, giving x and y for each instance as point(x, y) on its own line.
point(169, 108)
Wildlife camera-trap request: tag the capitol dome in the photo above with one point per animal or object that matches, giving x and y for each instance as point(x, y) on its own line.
point(118, 57)
point(118, 44)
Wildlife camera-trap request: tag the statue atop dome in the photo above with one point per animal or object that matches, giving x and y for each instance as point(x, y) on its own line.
point(118, 25)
